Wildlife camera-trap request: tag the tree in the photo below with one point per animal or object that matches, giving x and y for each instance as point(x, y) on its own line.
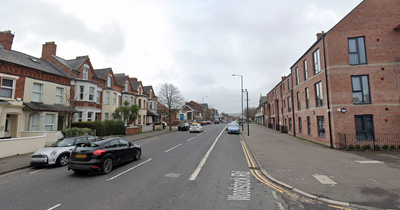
point(66, 113)
point(171, 98)
point(128, 113)
point(252, 112)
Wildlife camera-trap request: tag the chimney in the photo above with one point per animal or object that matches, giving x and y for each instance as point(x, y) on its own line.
point(49, 49)
point(133, 79)
point(6, 39)
point(283, 77)
point(320, 34)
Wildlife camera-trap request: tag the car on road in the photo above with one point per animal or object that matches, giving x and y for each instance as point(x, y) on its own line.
point(183, 127)
point(232, 123)
point(195, 127)
point(58, 153)
point(203, 122)
point(234, 128)
point(103, 156)
point(216, 122)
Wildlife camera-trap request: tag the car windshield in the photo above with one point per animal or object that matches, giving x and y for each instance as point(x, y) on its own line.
point(182, 124)
point(193, 125)
point(233, 125)
point(67, 142)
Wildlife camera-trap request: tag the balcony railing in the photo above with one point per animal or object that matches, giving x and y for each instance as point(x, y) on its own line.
point(376, 140)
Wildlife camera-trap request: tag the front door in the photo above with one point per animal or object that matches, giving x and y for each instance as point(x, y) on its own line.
point(7, 126)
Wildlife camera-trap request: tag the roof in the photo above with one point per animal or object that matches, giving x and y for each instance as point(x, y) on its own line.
point(102, 73)
point(30, 62)
point(135, 85)
point(191, 107)
point(73, 64)
point(121, 79)
point(48, 107)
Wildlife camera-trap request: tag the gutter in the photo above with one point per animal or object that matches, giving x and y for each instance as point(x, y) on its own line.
point(327, 92)
point(397, 73)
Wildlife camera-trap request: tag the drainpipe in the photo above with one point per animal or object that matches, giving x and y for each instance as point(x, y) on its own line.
point(292, 102)
point(327, 92)
point(397, 73)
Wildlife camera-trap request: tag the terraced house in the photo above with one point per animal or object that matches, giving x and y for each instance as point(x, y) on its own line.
point(345, 89)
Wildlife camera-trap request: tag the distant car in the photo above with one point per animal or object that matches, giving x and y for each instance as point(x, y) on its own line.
point(103, 155)
point(232, 123)
point(59, 152)
point(183, 127)
point(234, 128)
point(216, 122)
point(203, 122)
point(208, 122)
point(195, 127)
point(164, 123)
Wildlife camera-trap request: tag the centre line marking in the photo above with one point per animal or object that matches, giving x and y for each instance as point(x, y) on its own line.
point(54, 207)
point(37, 171)
point(128, 170)
point(191, 138)
point(173, 148)
point(197, 171)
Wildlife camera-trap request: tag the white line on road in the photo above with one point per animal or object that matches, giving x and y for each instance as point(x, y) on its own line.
point(54, 207)
point(173, 148)
point(199, 134)
point(191, 138)
point(197, 171)
point(37, 171)
point(128, 170)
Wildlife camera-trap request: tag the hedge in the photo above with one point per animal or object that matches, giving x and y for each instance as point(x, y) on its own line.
point(103, 128)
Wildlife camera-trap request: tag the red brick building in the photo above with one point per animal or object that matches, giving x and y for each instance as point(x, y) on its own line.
point(346, 85)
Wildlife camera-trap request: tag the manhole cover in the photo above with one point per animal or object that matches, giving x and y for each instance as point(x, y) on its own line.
point(173, 175)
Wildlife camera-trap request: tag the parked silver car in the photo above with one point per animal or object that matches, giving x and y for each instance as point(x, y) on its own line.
point(59, 152)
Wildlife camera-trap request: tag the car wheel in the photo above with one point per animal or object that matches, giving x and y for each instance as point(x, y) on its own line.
point(107, 165)
point(62, 160)
point(138, 153)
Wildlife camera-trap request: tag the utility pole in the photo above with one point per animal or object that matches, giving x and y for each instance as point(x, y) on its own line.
point(247, 118)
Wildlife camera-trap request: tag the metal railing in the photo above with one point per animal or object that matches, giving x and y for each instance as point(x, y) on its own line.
point(375, 141)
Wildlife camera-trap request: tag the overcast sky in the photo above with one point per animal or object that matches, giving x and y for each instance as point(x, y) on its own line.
point(194, 44)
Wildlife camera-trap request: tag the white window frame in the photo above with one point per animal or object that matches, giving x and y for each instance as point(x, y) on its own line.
point(107, 97)
point(126, 86)
point(105, 116)
point(85, 74)
point(80, 116)
point(297, 76)
point(109, 81)
point(114, 98)
point(91, 93)
point(36, 92)
point(132, 101)
point(98, 96)
point(59, 95)
point(12, 88)
point(81, 92)
point(34, 122)
point(47, 123)
point(305, 70)
point(317, 62)
point(89, 116)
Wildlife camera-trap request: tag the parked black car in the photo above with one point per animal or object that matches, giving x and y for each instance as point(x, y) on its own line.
point(183, 127)
point(103, 155)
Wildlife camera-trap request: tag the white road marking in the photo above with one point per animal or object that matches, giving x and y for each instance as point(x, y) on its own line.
point(54, 207)
point(323, 179)
point(241, 186)
point(128, 170)
point(191, 138)
point(274, 194)
point(199, 134)
point(37, 171)
point(197, 171)
point(173, 148)
point(280, 206)
point(369, 161)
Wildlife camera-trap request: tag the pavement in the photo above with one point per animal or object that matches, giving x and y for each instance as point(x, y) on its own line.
point(357, 179)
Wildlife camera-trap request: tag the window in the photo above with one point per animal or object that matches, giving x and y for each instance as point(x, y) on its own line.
point(357, 53)
point(96, 116)
point(89, 116)
point(300, 126)
point(308, 125)
point(289, 104)
point(37, 92)
point(91, 93)
point(290, 124)
point(321, 126)
point(114, 99)
point(140, 103)
point(151, 105)
point(297, 75)
point(107, 97)
point(126, 86)
point(360, 85)
point(7, 88)
point(318, 94)
point(125, 99)
point(109, 81)
point(35, 122)
point(106, 116)
point(79, 116)
point(144, 104)
point(298, 100)
point(131, 101)
point(305, 69)
point(98, 96)
point(49, 122)
point(139, 119)
point(59, 95)
point(276, 93)
point(81, 92)
point(85, 73)
point(317, 67)
point(364, 127)
point(307, 98)
point(288, 84)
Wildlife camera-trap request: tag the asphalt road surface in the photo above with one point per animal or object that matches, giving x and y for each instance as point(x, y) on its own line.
point(181, 170)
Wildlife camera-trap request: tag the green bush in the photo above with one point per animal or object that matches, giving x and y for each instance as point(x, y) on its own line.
point(351, 147)
point(70, 132)
point(385, 147)
point(367, 147)
point(392, 147)
point(377, 147)
point(358, 146)
point(114, 127)
point(103, 128)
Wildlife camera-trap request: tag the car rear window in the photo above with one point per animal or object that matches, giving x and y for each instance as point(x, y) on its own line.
point(85, 146)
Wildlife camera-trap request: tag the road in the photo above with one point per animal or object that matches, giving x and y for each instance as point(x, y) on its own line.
point(182, 170)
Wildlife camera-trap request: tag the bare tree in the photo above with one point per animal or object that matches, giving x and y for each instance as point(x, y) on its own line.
point(66, 113)
point(171, 98)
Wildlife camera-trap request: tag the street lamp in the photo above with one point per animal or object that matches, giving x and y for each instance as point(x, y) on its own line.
point(241, 93)
point(248, 125)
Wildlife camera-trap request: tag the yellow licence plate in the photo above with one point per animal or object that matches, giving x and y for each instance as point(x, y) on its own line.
point(80, 156)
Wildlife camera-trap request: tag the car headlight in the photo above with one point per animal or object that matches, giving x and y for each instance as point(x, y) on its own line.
point(54, 152)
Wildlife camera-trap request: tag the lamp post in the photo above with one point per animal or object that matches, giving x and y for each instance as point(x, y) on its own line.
point(203, 105)
point(241, 93)
point(248, 125)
